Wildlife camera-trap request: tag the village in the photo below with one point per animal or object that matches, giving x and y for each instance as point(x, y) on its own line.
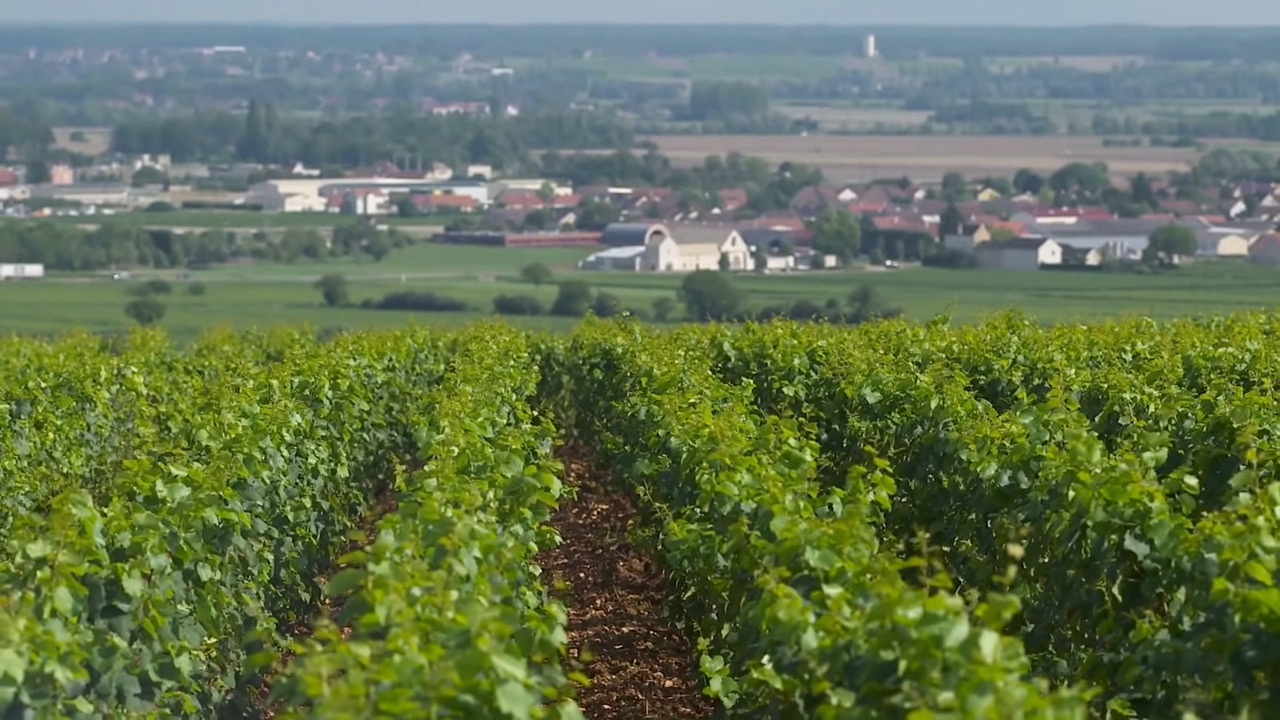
point(658, 229)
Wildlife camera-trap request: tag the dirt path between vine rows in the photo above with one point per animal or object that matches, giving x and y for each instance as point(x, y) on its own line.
point(639, 665)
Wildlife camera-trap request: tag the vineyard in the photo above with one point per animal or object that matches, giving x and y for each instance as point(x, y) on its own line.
point(893, 520)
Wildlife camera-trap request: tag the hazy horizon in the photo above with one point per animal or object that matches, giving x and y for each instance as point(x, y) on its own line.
point(1007, 13)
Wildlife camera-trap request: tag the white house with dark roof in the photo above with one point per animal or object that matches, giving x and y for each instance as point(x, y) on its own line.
point(659, 248)
point(1025, 253)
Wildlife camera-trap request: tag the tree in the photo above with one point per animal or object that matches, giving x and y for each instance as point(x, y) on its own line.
point(724, 263)
point(536, 273)
point(377, 247)
point(606, 305)
point(1170, 242)
point(148, 175)
point(546, 193)
point(572, 300)
point(761, 257)
point(1026, 181)
point(954, 188)
point(406, 207)
point(537, 219)
point(595, 215)
point(663, 308)
point(38, 173)
point(837, 233)
point(1142, 192)
point(951, 222)
point(333, 288)
point(710, 295)
point(145, 310)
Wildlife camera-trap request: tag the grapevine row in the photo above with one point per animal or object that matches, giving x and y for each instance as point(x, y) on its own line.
point(443, 612)
point(155, 579)
point(796, 609)
point(1129, 581)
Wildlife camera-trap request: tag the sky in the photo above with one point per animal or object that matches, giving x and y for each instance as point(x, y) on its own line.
point(835, 12)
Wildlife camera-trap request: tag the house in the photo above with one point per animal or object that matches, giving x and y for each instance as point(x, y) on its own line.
point(1266, 249)
point(696, 248)
point(968, 240)
point(1223, 243)
point(520, 200)
point(62, 174)
point(813, 200)
point(1025, 253)
point(732, 199)
point(443, 202)
point(1088, 257)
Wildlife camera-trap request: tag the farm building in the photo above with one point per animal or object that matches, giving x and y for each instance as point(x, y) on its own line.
point(632, 234)
point(21, 271)
point(626, 257)
point(1025, 253)
point(659, 248)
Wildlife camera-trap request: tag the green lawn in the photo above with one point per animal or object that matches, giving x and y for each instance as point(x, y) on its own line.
point(271, 295)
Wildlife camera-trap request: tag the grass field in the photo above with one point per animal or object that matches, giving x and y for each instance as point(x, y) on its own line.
point(846, 158)
point(270, 294)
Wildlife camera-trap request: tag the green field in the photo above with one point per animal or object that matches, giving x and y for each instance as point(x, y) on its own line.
point(263, 295)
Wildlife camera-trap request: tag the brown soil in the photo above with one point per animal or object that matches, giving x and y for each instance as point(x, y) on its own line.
point(639, 665)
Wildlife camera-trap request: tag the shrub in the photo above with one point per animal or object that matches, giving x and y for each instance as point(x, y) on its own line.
point(573, 299)
point(420, 301)
point(606, 305)
point(517, 305)
point(151, 287)
point(333, 288)
point(145, 310)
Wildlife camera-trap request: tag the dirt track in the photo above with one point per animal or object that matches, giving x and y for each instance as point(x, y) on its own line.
point(639, 665)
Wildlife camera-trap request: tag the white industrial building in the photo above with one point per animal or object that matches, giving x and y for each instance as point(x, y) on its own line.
point(311, 194)
point(21, 271)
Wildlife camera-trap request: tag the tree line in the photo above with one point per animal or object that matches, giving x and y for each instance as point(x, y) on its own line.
point(266, 135)
point(69, 248)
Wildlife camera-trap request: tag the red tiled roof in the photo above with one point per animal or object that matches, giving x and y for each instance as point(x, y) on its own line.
point(902, 223)
point(733, 198)
point(458, 202)
point(517, 199)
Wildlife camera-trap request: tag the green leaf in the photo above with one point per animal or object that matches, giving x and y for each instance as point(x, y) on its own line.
point(514, 700)
point(344, 581)
point(12, 665)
